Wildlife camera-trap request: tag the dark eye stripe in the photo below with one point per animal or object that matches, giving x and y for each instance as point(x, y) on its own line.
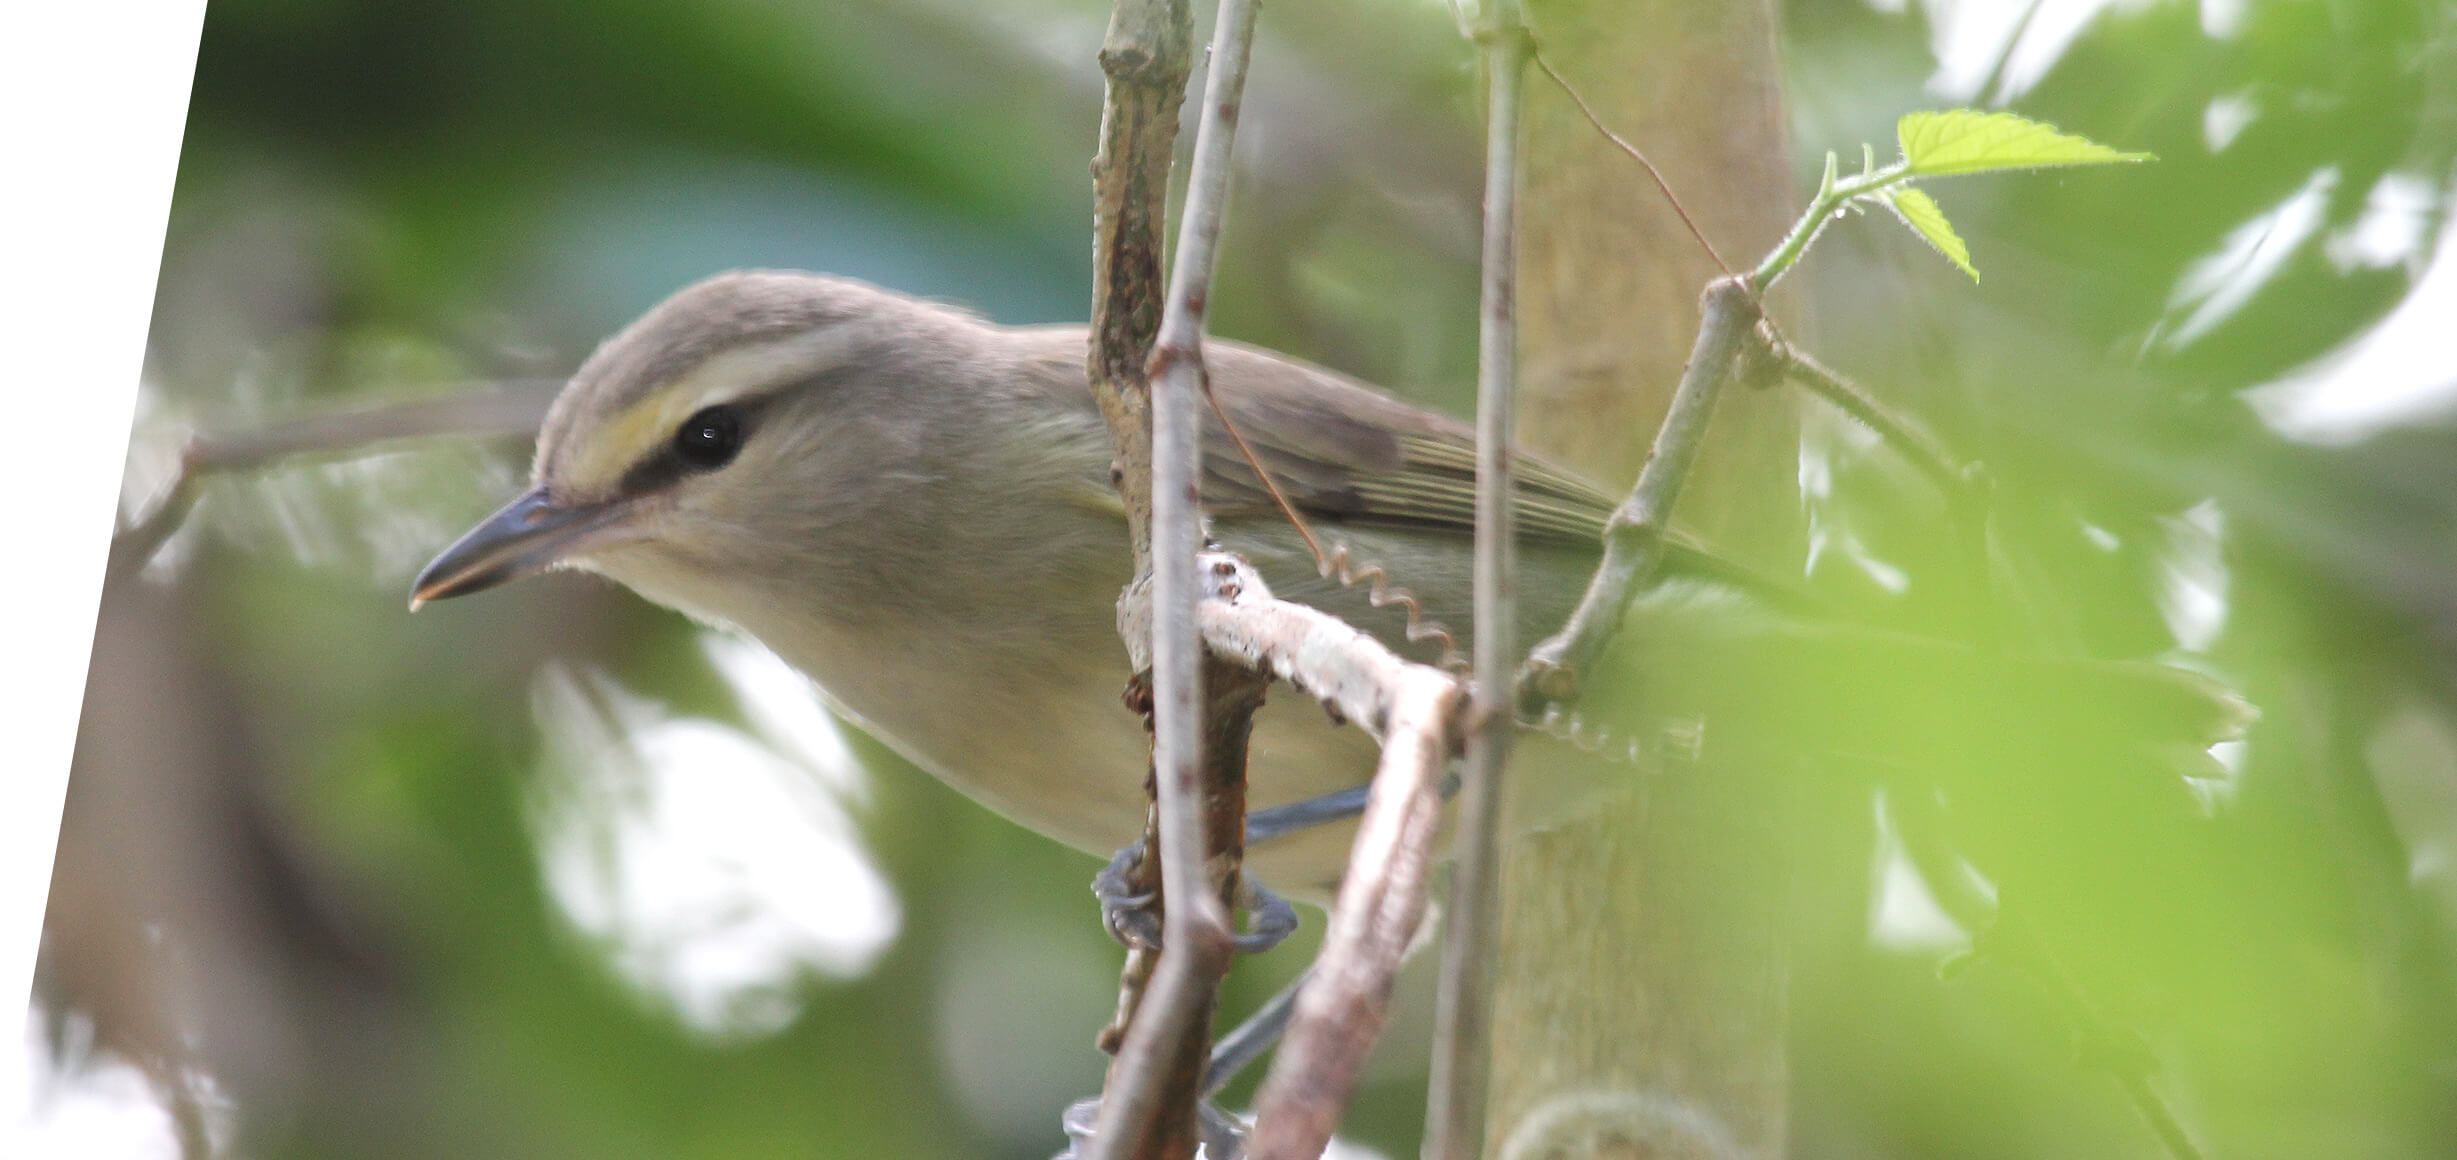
point(668, 464)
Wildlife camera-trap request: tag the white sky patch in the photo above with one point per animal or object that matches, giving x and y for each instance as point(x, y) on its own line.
point(1879, 571)
point(1817, 453)
point(1830, 444)
point(2216, 793)
point(1903, 915)
point(2397, 371)
point(2226, 117)
point(2412, 753)
point(711, 869)
point(1969, 37)
point(2391, 230)
point(85, 1106)
point(1816, 470)
point(2217, 285)
point(2429, 860)
point(2193, 582)
point(2222, 19)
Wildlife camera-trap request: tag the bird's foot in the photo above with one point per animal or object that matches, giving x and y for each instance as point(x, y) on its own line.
point(1133, 917)
point(1269, 917)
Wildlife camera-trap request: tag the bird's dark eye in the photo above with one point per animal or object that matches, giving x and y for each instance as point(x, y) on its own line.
point(709, 438)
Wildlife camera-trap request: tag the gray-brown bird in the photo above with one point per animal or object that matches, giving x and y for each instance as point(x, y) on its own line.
point(911, 506)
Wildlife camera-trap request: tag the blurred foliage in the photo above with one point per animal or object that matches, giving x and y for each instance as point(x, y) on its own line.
point(305, 877)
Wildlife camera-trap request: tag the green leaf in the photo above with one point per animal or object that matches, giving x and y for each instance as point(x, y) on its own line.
point(1920, 212)
point(1970, 141)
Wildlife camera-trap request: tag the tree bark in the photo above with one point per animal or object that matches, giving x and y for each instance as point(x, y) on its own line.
point(1640, 1008)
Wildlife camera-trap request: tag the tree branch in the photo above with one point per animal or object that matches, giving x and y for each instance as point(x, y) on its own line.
point(1149, 1105)
point(1145, 58)
point(1413, 710)
point(509, 408)
point(1455, 1095)
point(1951, 476)
point(1633, 540)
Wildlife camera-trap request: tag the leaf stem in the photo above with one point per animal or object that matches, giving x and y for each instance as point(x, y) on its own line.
point(1832, 195)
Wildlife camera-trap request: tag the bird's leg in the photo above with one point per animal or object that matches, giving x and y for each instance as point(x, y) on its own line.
point(1262, 1030)
point(1276, 822)
point(1252, 1038)
point(1130, 918)
point(1223, 1135)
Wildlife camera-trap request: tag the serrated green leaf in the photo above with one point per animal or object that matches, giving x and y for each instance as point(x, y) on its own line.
point(1921, 212)
point(1970, 141)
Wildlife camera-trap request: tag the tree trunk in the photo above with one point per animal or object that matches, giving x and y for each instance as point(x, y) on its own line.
point(1639, 1008)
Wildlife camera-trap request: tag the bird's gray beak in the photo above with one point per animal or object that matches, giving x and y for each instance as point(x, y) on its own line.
point(528, 536)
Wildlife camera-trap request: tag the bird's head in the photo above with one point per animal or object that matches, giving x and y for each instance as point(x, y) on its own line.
point(720, 444)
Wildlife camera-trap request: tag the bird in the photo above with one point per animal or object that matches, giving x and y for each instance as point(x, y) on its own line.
point(913, 506)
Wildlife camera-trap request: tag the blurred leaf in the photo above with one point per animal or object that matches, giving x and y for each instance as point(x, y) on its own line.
point(1968, 141)
point(1920, 212)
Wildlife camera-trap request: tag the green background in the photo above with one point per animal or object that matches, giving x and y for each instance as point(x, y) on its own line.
point(333, 877)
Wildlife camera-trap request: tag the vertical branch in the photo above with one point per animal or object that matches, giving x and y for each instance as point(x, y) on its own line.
point(1145, 58)
point(1639, 966)
point(1177, 532)
point(1161, 1059)
point(1454, 1114)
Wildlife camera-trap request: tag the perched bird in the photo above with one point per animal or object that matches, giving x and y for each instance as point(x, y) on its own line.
point(912, 506)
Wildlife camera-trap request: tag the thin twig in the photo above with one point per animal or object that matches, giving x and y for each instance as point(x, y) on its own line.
point(1252, 1038)
point(1634, 539)
point(1455, 1093)
point(1337, 562)
point(1177, 374)
point(1145, 58)
point(1670, 198)
point(1326, 658)
point(512, 407)
point(1907, 438)
point(1340, 1012)
point(1414, 711)
point(2161, 1118)
point(1169, 1027)
point(1833, 193)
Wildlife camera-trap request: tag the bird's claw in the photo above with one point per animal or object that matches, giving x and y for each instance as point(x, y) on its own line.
point(1131, 917)
point(1269, 918)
